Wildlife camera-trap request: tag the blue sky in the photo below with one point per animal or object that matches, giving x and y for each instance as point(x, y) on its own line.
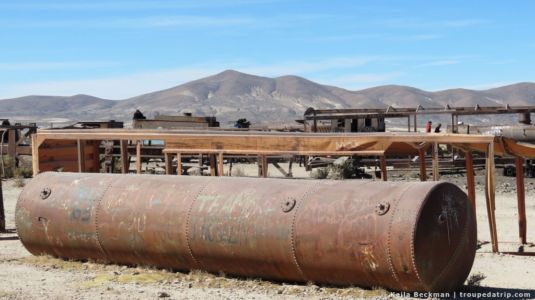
point(119, 49)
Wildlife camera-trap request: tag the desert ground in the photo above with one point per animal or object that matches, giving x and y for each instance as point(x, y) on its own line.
point(24, 276)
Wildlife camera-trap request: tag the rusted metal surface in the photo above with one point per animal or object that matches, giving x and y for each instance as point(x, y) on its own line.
point(401, 236)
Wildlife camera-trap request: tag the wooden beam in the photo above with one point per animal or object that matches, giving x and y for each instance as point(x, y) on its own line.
point(490, 196)
point(470, 180)
point(421, 158)
point(2, 213)
point(264, 166)
point(81, 155)
point(125, 159)
point(383, 168)
point(415, 124)
point(220, 168)
point(436, 174)
point(12, 143)
point(138, 157)
point(213, 168)
point(35, 155)
point(168, 163)
point(278, 167)
point(521, 199)
point(179, 164)
point(408, 123)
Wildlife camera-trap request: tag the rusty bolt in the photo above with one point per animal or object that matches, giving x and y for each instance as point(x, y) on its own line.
point(288, 204)
point(382, 208)
point(45, 193)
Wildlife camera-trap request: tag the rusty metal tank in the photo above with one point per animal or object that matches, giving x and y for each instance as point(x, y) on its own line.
point(401, 236)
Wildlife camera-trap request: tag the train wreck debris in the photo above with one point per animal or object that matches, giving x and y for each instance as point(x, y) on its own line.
point(401, 236)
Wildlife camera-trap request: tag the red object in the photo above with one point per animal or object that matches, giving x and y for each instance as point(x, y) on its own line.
point(428, 127)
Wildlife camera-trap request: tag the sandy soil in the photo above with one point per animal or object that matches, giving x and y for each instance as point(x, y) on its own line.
point(24, 276)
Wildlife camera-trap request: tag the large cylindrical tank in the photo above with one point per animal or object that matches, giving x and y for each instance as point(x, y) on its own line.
point(401, 236)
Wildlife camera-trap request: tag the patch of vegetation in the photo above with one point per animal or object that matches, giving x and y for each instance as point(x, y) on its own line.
point(115, 274)
point(475, 279)
point(10, 169)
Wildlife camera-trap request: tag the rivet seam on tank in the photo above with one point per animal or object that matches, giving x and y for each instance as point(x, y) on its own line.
point(311, 188)
point(97, 210)
point(389, 237)
point(188, 221)
point(45, 193)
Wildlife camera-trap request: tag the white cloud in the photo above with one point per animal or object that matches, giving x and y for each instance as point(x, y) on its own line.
point(53, 65)
point(442, 62)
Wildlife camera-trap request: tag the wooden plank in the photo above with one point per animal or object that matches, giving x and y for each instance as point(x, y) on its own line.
point(470, 180)
point(489, 195)
point(436, 174)
point(2, 213)
point(421, 158)
point(213, 168)
point(220, 169)
point(35, 155)
point(274, 153)
point(125, 159)
point(521, 199)
point(11, 143)
point(168, 163)
point(81, 156)
point(179, 163)
point(138, 157)
point(383, 168)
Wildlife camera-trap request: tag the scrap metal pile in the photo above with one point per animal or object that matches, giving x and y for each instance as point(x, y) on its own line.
point(401, 236)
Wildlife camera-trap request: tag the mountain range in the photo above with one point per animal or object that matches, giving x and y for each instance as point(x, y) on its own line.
point(231, 95)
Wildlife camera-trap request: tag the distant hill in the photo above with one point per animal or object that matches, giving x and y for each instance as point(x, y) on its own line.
point(231, 95)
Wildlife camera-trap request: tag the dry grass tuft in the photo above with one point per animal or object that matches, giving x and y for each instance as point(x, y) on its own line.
point(115, 274)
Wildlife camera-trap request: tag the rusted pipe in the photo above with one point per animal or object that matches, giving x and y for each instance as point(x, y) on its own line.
point(401, 236)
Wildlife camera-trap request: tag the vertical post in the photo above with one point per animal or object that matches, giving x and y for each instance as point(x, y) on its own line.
point(2, 213)
point(423, 171)
point(436, 175)
point(213, 171)
point(452, 123)
point(179, 163)
point(168, 163)
point(490, 196)
point(220, 164)
point(315, 129)
point(138, 157)
point(12, 143)
point(470, 181)
point(264, 166)
point(521, 197)
point(415, 126)
point(35, 155)
point(81, 155)
point(409, 123)
point(290, 174)
point(125, 160)
point(383, 168)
